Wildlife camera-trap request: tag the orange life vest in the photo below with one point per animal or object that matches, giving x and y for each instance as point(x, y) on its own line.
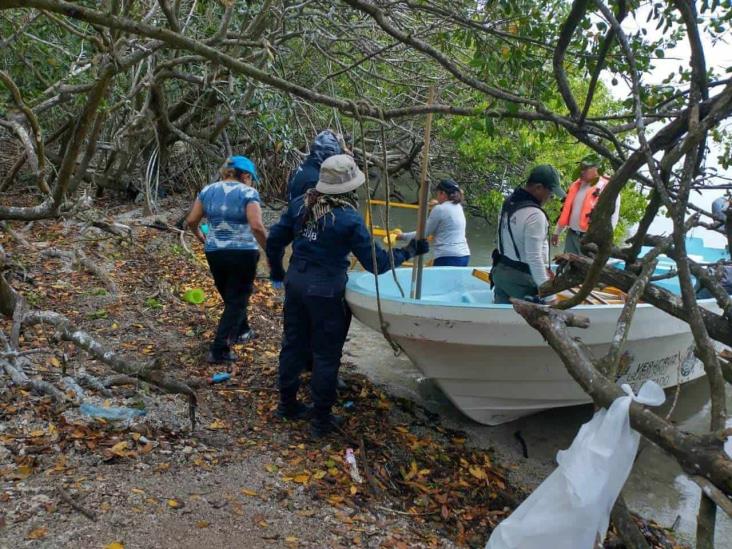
point(591, 198)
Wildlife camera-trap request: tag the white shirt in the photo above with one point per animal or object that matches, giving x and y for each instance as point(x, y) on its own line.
point(529, 227)
point(446, 223)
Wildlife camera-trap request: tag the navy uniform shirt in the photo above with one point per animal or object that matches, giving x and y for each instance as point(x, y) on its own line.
point(339, 233)
point(303, 179)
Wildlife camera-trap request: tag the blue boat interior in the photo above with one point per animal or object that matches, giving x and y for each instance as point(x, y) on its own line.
point(456, 286)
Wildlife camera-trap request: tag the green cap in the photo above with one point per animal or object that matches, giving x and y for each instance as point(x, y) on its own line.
point(548, 176)
point(590, 161)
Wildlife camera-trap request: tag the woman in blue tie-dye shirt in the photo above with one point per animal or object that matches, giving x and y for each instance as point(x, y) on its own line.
point(232, 207)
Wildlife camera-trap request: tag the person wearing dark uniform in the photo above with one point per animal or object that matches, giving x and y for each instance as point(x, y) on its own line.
point(305, 177)
point(521, 261)
point(324, 226)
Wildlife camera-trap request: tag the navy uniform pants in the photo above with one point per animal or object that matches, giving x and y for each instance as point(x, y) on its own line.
point(316, 319)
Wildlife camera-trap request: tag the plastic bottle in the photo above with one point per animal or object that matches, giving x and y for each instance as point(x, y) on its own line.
point(220, 377)
point(352, 467)
point(113, 414)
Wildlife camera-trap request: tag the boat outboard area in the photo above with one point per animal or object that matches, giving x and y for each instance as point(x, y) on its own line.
point(495, 367)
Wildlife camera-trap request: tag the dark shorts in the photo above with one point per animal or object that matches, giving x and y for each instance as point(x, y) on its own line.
point(452, 261)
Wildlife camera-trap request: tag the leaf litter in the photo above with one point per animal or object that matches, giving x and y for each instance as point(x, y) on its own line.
point(423, 485)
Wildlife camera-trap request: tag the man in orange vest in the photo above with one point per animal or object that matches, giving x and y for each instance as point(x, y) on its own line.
point(581, 199)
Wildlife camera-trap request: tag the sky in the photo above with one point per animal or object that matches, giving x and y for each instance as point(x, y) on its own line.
point(718, 55)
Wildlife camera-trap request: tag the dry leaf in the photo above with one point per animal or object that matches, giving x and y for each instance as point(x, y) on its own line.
point(23, 471)
point(202, 524)
point(175, 503)
point(478, 473)
point(115, 545)
point(302, 479)
point(38, 533)
point(248, 492)
point(119, 449)
point(217, 424)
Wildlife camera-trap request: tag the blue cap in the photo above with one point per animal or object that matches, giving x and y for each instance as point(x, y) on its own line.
point(243, 164)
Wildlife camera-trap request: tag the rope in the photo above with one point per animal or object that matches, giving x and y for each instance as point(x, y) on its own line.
point(382, 323)
point(388, 206)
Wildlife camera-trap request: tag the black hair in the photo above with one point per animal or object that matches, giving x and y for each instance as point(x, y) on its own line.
point(452, 190)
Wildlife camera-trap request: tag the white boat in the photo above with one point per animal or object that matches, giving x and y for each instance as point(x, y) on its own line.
point(491, 364)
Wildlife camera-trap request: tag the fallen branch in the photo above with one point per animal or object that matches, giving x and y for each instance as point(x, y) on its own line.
point(715, 494)
point(91, 382)
point(694, 453)
point(79, 257)
point(66, 497)
point(119, 379)
point(626, 527)
point(575, 268)
point(149, 372)
point(20, 378)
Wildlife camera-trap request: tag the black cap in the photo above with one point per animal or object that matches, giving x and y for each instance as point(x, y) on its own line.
point(448, 185)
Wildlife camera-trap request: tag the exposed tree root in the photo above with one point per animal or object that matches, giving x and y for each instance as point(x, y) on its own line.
point(79, 257)
point(11, 304)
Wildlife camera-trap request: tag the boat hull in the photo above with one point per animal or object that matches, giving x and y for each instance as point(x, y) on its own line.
point(494, 367)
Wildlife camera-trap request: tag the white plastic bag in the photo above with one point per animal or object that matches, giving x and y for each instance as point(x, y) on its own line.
point(571, 508)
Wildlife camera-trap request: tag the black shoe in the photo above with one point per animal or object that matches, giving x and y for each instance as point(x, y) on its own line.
point(228, 356)
point(294, 412)
point(341, 385)
point(247, 336)
point(322, 427)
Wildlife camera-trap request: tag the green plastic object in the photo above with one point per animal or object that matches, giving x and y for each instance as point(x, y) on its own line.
point(194, 296)
point(204, 228)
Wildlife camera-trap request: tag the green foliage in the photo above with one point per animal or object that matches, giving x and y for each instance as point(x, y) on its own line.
point(97, 315)
point(632, 206)
point(152, 303)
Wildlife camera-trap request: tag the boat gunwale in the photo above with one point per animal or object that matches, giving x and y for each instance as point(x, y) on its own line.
point(425, 302)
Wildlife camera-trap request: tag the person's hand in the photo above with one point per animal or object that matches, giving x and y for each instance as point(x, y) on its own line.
point(277, 284)
point(433, 202)
point(417, 247)
point(555, 240)
point(422, 246)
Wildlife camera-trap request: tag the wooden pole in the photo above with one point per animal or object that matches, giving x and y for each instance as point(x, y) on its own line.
point(424, 192)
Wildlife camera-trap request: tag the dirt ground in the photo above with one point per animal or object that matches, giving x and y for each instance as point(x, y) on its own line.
point(241, 478)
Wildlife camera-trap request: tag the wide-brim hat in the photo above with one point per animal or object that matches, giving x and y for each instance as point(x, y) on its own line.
point(339, 174)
